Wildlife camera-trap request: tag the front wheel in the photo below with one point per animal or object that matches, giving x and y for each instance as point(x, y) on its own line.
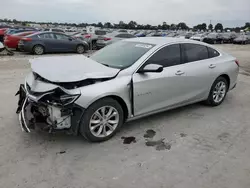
point(102, 120)
point(218, 92)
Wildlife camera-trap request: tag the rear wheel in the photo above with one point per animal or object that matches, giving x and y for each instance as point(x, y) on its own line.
point(94, 46)
point(102, 120)
point(38, 49)
point(80, 49)
point(218, 92)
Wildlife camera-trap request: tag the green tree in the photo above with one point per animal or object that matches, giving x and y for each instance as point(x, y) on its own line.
point(182, 25)
point(218, 26)
point(204, 26)
point(99, 24)
point(210, 27)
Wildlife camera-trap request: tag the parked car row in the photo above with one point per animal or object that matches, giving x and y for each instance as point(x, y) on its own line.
point(56, 40)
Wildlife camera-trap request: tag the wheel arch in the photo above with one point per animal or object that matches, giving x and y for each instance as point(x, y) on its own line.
point(120, 100)
point(227, 78)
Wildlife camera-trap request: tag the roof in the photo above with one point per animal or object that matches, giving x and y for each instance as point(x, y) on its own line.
point(160, 40)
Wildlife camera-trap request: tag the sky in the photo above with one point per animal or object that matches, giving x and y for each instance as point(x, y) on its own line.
point(230, 13)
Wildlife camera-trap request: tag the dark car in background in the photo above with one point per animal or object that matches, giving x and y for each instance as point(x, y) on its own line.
point(44, 42)
point(242, 39)
point(228, 37)
point(213, 38)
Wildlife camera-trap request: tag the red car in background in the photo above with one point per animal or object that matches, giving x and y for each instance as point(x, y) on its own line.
point(2, 32)
point(11, 41)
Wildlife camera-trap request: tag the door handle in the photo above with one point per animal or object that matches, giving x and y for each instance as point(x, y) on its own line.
point(212, 66)
point(179, 72)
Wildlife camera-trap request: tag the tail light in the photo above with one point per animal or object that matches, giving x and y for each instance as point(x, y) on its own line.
point(27, 39)
point(237, 62)
point(106, 39)
point(87, 36)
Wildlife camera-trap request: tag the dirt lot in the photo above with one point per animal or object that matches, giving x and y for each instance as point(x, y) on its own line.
point(206, 147)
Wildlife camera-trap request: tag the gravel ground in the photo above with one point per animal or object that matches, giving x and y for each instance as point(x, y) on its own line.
point(203, 147)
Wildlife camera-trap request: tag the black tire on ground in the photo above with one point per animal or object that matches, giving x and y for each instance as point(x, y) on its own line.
point(38, 49)
point(210, 100)
point(94, 46)
point(80, 49)
point(85, 121)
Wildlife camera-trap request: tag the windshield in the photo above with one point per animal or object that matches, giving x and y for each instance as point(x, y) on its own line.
point(122, 54)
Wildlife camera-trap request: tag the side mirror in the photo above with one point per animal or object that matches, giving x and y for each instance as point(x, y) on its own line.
point(151, 68)
point(70, 39)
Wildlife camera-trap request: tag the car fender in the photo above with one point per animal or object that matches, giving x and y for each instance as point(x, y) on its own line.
point(118, 87)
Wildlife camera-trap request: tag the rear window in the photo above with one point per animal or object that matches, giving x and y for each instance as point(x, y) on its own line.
point(212, 52)
point(194, 52)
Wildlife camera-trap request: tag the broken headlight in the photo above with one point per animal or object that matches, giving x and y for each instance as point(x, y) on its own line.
point(60, 98)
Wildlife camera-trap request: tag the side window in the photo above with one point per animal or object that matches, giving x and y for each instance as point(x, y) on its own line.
point(129, 36)
point(61, 37)
point(167, 56)
point(46, 36)
point(212, 52)
point(123, 36)
point(194, 52)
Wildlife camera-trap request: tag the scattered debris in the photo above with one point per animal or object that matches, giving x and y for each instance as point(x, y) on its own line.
point(163, 146)
point(154, 143)
point(159, 144)
point(149, 133)
point(183, 134)
point(128, 140)
point(61, 152)
point(223, 136)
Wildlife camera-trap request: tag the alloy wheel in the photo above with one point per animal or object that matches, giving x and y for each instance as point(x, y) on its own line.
point(80, 49)
point(38, 50)
point(104, 121)
point(219, 91)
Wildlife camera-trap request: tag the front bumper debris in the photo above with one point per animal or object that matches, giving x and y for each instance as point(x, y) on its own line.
point(34, 113)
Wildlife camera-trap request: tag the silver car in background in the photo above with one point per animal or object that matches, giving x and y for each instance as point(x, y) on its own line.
point(112, 38)
point(124, 81)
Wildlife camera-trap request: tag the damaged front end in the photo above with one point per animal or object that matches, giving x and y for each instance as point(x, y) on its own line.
point(48, 111)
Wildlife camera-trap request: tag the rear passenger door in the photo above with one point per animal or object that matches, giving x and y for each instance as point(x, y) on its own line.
point(198, 69)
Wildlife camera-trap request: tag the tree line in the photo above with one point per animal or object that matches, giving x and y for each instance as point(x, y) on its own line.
point(135, 25)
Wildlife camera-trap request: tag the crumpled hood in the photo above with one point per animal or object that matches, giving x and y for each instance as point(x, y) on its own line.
point(70, 68)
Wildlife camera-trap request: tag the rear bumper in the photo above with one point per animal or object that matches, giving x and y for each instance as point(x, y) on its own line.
point(24, 48)
point(10, 44)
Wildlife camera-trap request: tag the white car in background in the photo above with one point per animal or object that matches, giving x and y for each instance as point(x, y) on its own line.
point(198, 37)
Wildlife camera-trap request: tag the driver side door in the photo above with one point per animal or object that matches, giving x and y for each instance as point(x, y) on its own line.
point(156, 91)
point(64, 43)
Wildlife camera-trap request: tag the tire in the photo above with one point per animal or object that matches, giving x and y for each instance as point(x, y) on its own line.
point(80, 49)
point(38, 49)
point(103, 104)
point(94, 45)
point(211, 100)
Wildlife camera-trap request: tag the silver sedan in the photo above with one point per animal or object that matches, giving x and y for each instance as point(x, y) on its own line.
point(124, 81)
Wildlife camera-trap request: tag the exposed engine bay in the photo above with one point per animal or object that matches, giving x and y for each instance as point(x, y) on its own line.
point(48, 111)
